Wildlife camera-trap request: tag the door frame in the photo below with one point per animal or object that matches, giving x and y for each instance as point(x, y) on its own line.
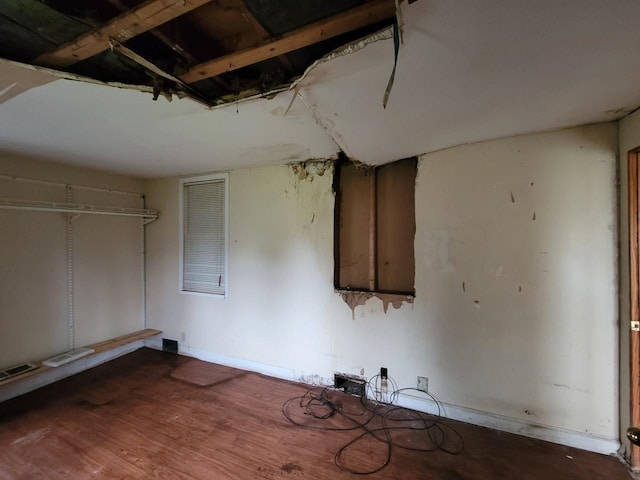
point(633, 161)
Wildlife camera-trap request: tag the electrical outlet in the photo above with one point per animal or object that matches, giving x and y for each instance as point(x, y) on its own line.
point(423, 384)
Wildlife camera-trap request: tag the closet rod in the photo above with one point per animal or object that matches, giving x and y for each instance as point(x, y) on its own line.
point(60, 184)
point(9, 203)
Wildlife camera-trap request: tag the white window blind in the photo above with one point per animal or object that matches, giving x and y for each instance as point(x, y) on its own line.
point(204, 237)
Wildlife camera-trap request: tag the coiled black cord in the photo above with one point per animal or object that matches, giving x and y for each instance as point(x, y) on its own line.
point(427, 430)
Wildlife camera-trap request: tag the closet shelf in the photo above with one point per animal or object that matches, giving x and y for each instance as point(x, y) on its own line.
point(76, 208)
point(97, 349)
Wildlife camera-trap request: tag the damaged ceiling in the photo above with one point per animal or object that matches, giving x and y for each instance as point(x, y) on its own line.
point(216, 51)
point(257, 82)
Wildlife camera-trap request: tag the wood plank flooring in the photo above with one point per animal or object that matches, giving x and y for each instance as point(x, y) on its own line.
point(155, 415)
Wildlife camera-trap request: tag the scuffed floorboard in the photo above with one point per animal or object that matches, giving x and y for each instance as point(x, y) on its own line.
point(156, 415)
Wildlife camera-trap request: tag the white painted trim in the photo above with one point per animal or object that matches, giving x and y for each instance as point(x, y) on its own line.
point(269, 370)
point(582, 440)
point(28, 384)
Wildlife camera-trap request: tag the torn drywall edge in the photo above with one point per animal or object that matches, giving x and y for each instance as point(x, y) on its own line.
point(224, 101)
point(156, 73)
point(72, 76)
point(311, 168)
point(355, 298)
point(15, 80)
point(386, 34)
point(59, 75)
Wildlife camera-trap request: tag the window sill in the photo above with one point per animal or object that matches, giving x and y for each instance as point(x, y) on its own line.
point(203, 294)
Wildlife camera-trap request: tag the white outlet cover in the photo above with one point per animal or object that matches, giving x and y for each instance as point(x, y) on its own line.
point(423, 384)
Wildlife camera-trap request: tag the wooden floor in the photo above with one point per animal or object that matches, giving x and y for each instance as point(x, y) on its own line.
point(155, 415)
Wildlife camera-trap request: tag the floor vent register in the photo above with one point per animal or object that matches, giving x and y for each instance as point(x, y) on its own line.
point(17, 370)
point(67, 357)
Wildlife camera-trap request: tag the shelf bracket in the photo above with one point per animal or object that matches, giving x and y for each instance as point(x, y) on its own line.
point(72, 217)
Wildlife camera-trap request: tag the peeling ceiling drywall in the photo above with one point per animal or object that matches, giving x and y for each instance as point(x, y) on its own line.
point(214, 51)
point(468, 71)
point(15, 80)
point(124, 131)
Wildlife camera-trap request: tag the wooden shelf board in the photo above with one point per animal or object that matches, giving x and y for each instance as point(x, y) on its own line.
point(98, 348)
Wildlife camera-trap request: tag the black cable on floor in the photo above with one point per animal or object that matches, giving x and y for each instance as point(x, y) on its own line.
point(434, 433)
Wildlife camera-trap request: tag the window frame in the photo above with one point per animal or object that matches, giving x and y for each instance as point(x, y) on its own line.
point(203, 179)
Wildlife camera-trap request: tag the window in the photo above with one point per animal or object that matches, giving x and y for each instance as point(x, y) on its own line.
point(375, 227)
point(203, 239)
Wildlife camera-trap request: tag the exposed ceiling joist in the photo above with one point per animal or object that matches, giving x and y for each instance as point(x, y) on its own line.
point(367, 14)
point(158, 72)
point(143, 18)
point(158, 34)
point(257, 26)
point(267, 44)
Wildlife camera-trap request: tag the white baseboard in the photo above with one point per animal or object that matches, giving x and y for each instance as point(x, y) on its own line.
point(269, 370)
point(582, 440)
point(571, 438)
point(28, 384)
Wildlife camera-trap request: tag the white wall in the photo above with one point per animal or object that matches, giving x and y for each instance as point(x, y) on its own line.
point(532, 338)
point(629, 138)
point(107, 262)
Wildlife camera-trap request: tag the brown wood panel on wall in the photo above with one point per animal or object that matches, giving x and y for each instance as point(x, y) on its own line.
point(375, 227)
point(354, 213)
point(396, 221)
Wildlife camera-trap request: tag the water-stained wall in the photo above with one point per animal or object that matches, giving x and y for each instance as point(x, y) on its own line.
point(515, 310)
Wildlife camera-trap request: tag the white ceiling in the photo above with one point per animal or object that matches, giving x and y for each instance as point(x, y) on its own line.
point(476, 70)
point(468, 71)
point(125, 131)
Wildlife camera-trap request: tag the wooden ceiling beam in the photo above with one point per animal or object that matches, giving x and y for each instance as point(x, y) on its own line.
point(264, 34)
point(367, 14)
point(144, 17)
point(159, 34)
